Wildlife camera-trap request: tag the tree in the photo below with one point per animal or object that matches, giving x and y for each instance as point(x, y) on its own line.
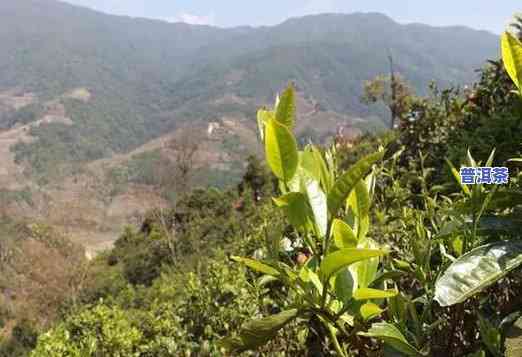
point(256, 178)
point(183, 149)
point(391, 90)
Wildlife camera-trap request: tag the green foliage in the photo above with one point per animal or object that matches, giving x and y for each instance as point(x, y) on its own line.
point(320, 287)
point(180, 314)
point(98, 331)
point(485, 265)
point(362, 251)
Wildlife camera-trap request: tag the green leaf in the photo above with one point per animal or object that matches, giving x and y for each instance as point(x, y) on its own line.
point(266, 279)
point(308, 163)
point(490, 336)
point(392, 336)
point(344, 236)
point(512, 57)
point(281, 150)
point(365, 271)
point(372, 294)
point(476, 270)
point(335, 261)
point(317, 200)
point(388, 275)
point(456, 175)
point(257, 266)
point(308, 276)
point(263, 116)
point(312, 162)
point(471, 160)
point(296, 208)
point(489, 162)
point(346, 183)
point(359, 201)
point(370, 310)
point(326, 178)
point(296, 183)
point(285, 109)
point(256, 333)
point(343, 285)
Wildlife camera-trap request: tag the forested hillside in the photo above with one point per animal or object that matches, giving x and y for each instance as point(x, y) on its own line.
point(368, 246)
point(94, 107)
point(146, 77)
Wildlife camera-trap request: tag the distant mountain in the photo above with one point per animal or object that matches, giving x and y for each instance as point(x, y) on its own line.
point(88, 101)
point(143, 77)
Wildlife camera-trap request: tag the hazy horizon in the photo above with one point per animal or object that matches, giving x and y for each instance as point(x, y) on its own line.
point(479, 14)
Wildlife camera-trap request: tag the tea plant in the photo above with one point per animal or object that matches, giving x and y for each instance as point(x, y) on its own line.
point(481, 266)
point(337, 281)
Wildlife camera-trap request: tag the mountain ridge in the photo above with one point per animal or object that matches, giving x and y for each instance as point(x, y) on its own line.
point(79, 87)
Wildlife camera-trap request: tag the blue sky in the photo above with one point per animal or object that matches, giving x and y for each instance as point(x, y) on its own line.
point(480, 14)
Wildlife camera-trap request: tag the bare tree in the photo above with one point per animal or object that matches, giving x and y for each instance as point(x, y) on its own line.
point(184, 148)
point(391, 90)
point(175, 173)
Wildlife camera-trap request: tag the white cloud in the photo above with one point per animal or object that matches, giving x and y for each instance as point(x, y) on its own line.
point(193, 19)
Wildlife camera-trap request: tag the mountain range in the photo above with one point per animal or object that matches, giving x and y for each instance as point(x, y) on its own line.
point(85, 96)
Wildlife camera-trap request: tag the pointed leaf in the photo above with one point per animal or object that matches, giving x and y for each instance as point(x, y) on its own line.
point(392, 336)
point(281, 150)
point(317, 200)
point(389, 275)
point(344, 236)
point(257, 266)
point(489, 162)
point(359, 201)
point(346, 183)
point(326, 178)
point(285, 109)
point(456, 175)
point(308, 276)
point(490, 336)
point(343, 285)
point(335, 261)
point(263, 116)
point(308, 163)
point(512, 57)
point(256, 333)
point(476, 270)
point(365, 271)
point(372, 294)
point(296, 208)
point(370, 310)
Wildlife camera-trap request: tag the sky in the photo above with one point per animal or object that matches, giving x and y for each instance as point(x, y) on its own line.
point(488, 15)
